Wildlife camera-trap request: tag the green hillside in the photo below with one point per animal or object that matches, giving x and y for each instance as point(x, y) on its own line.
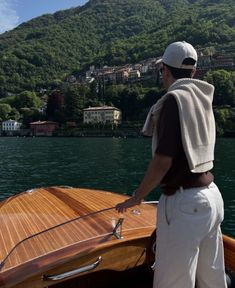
point(43, 51)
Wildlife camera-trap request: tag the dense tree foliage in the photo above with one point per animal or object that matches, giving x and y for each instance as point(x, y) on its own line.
point(224, 82)
point(40, 53)
point(55, 106)
point(38, 56)
point(5, 110)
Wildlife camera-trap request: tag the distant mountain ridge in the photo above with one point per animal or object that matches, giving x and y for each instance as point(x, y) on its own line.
point(43, 51)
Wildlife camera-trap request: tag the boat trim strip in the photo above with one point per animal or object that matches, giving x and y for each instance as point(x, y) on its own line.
point(72, 273)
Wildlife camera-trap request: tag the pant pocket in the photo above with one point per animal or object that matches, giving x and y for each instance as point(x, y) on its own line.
point(194, 204)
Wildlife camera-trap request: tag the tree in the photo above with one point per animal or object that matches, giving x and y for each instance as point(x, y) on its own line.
point(5, 109)
point(222, 116)
point(129, 99)
point(224, 86)
point(14, 114)
point(73, 105)
point(55, 106)
point(27, 99)
point(2, 85)
point(30, 115)
point(112, 94)
point(151, 97)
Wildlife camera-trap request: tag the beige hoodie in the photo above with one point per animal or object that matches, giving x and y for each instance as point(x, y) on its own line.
point(194, 99)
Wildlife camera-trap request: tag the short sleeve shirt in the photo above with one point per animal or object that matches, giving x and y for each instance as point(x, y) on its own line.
point(170, 144)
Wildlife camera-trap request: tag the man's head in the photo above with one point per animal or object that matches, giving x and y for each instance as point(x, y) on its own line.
point(180, 59)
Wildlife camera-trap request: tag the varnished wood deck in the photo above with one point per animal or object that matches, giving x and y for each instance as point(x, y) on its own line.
point(33, 241)
point(54, 230)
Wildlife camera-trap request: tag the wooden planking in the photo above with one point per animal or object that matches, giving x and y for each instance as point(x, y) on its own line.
point(229, 252)
point(47, 207)
point(28, 214)
point(61, 237)
point(67, 247)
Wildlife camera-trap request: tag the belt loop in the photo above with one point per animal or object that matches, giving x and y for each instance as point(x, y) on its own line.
point(181, 189)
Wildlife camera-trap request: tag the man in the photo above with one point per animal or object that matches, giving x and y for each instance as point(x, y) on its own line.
point(190, 211)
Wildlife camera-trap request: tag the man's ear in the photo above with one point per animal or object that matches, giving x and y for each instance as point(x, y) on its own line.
point(168, 73)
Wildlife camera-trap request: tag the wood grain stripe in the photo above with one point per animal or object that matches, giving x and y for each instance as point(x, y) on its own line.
point(78, 207)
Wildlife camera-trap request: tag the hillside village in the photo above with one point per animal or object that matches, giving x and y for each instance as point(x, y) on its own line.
point(148, 69)
point(130, 73)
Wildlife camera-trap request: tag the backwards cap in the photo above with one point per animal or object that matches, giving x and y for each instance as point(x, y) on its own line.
point(177, 52)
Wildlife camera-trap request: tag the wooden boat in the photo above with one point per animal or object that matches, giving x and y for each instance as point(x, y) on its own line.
point(52, 234)
point(71, 237)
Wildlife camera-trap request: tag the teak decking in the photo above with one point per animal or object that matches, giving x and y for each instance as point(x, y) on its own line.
point(50, 231)
point(54, 230)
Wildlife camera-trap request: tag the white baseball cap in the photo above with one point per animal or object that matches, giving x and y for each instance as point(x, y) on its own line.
point(177, 52)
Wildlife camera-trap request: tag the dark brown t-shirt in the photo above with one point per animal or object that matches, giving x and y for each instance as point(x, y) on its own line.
point(170, 144)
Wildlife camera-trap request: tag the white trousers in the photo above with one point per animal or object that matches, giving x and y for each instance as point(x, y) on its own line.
point(189, 240)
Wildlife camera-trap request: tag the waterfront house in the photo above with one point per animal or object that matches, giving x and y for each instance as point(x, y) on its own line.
point(11, 125)
point(43, 128)
point(104, 114)
point(10, 128)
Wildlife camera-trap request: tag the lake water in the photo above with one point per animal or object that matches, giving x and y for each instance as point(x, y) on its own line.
point(100, 163)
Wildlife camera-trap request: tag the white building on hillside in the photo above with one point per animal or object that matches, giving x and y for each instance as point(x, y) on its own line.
point(104, 114)
point(11, 125)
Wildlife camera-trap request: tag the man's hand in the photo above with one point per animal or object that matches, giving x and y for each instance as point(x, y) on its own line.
point(157, 169)
point(123, 206)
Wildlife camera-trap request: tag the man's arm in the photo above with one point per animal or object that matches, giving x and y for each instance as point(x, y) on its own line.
point(157, 169)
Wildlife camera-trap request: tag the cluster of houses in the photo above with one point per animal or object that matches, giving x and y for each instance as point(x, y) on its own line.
point(148, 69)
point(105, 115)
point(123, 74)
point(215, 61)
point(39, 128)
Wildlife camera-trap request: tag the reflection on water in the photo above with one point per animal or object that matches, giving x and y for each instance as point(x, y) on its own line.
point(100, 163)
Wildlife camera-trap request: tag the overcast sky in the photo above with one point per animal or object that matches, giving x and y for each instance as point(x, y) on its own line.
point(14, 12)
